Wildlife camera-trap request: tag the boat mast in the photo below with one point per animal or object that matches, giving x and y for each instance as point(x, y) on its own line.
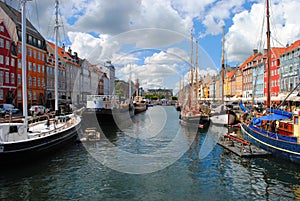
point(24, 67)
point(56, 56)
point(223, 65)
point(191, 76)
point(268, 56)
point(197, 90)
point(129, 90)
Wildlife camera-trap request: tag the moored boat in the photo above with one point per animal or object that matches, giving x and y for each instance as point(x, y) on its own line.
point(107, 109)
point(223, 116)
point(19, 142)
point(283, 141)
point(23, 141)
point(140, 104)
point(276, 131)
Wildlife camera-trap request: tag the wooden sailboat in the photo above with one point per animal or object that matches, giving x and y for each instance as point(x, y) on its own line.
point(23, 141)
point(222, 115)
point(278, 131)
point(190, 112)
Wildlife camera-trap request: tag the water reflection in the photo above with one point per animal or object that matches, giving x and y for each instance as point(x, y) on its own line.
point(74, 174)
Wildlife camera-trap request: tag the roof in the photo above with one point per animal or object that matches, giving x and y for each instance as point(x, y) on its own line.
point(63, 54)
point(278, 51)
point(230, 74)
point(293, 46)
point(16, 17)
point(251, 58)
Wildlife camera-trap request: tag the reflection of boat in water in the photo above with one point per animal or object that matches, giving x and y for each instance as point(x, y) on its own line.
point(107, 109)
point(90, 135)
point(24, 141)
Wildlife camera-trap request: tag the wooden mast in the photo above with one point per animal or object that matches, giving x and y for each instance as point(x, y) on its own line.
point(223, 65)
point(191, 91)
point(197, 75)
point(268, 57)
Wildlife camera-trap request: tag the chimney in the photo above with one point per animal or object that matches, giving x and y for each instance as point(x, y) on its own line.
point(70, 51)
point(63, 48)
point(255, 51)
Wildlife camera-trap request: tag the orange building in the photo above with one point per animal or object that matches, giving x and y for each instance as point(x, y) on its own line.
point(35, 59)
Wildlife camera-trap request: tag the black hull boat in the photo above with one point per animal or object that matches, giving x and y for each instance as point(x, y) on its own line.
point(140, 105)
point(18, 145)
point(108, 116)
point(107, 109)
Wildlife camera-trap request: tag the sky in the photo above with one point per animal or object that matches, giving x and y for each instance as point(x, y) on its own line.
point(151, 39)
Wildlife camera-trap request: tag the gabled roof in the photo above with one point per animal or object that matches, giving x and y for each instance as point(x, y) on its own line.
point(62, 54)
point(278, 51)
point(293, 46)
point(16, 17)
point(251, 58)
point(230, 74)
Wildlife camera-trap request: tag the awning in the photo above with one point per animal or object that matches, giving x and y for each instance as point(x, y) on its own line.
point(275, 115)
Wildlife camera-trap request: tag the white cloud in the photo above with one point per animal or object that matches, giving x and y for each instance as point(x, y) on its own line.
point(120, 30)
point(248, 31)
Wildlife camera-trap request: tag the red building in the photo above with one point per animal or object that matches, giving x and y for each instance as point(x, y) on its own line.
point(8, 63)
point(275, 74)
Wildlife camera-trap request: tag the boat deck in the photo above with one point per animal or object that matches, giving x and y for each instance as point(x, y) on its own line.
point(241, 147)
point(36, 130)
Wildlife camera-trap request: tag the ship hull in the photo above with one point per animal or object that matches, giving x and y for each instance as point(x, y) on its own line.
point(283, 149)
point(20, 151)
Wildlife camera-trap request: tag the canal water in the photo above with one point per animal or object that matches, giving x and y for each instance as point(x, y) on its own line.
point(151, 157)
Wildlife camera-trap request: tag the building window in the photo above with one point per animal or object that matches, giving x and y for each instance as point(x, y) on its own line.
point(34, 67)
point(29, 52)
point(1, 42)
point(34, 95)
point(34, 81)
point(7, 61)
point(29, 81)
point(2, 28)
point(30, 39)
point(1, 78)
point(39, 56)
point(1, 94)
point(1, 59)
point(19, 64)
point(19, 79)
point(12, 78)
point(12, 62)
point(19, 95)
point(6, 77)
point(39, 81)
point(7, 44)
point(34, 54)
point(29, 66)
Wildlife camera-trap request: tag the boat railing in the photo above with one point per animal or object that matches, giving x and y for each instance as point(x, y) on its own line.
point(102, 101)
point(274, 135)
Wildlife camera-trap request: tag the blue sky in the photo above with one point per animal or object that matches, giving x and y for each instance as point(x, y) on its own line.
point(153, 36)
